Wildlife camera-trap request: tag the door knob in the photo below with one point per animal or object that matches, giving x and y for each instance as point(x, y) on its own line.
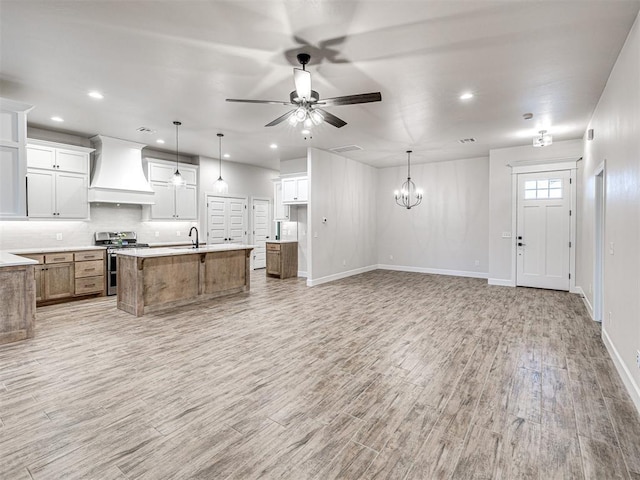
point(520, 237)
point(520, 244)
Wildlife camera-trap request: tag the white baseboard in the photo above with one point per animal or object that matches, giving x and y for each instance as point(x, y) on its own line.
point(501, 282)
point(625, 374)
point(302, 274)
point(437, 271)
point(338, 276)
point(586, 301)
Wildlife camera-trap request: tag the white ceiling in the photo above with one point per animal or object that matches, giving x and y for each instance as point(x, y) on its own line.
point(160, 61)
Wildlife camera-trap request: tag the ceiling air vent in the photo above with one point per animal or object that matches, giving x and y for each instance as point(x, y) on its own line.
point(345, 148)
point(144, 130)
point(467, 140)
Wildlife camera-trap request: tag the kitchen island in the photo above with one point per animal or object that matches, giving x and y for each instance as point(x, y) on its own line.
point(18, 304)
point(151, 278)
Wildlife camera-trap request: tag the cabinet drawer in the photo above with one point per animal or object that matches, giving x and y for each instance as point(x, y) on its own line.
point(89, 269)
point(84, 256)
point(273, 247)
point(37, 258)
point(89, 285)
point(58, 257)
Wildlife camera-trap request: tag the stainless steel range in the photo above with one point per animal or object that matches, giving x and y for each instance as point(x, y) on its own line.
point(115, 241)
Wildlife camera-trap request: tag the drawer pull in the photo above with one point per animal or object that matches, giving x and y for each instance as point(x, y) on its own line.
point(59, 258)
point(89, 269)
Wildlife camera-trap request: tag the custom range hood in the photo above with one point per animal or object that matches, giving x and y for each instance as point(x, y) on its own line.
point(118, 176)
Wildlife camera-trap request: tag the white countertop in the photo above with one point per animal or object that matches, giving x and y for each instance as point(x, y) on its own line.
point(168, 251)
point(10, 260)
point(56, 249)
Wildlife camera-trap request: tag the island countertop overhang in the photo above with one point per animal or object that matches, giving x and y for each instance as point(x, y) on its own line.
point(172, 251)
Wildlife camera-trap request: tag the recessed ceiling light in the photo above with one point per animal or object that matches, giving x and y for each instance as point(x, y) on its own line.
point(96, 95)
point(226, 155)
point(57, 119)
point(466, 96)
point(273, 145)
point(305, 132)
point(159, 140)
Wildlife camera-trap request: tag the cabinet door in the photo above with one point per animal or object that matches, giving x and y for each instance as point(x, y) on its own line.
point(41, 201)
point(236, 220)
point(302, 189)
point(186, 203)
point(273, 262)
point(164, 208)
point(70, 161)
point(189, 174)
point(160, 172)
point(11, 183)
point(280, 211)
point(71, 195)
point(39, 282)
point(40, 157)
point(59, 281)
point(289, 190)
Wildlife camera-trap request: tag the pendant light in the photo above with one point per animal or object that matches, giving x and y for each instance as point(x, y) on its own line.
point(408, 196)
point(177, 180)
point(220, 186)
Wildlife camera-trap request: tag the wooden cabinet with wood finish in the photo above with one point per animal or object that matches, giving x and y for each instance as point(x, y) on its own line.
point(62, 275)
point(282, 259)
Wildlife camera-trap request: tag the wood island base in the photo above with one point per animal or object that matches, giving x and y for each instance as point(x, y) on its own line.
point(149, 282)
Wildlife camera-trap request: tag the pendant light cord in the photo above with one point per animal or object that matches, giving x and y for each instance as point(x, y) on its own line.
point(220, 135)
point(177, 124)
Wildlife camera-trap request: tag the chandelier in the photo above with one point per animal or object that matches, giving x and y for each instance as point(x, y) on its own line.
point(408, 196)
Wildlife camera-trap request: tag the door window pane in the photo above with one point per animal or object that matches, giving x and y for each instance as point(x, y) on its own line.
point(543, 189)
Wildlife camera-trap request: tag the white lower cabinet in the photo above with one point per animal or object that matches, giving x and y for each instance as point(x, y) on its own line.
point(56, 194)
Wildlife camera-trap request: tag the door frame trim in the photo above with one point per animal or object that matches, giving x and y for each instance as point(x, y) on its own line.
point(597, 311)
point(565, 164)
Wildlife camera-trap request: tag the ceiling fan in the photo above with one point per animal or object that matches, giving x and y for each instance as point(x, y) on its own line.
point(307, 102)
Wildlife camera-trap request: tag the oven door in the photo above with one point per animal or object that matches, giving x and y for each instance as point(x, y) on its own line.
point(112, 272)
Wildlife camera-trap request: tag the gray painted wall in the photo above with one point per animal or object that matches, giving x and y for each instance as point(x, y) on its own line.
point(616, 124)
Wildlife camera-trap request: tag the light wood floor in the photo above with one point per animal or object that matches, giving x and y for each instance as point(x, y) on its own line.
point(383, 375)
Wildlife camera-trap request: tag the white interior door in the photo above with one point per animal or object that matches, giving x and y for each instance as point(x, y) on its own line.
point(216, 220)
point(261, 224)
point(544, 230)
point(226, 220)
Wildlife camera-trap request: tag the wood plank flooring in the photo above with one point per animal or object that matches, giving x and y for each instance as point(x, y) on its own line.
point(386, 375)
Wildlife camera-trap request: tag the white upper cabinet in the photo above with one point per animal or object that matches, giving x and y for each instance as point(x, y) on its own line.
point(56, 158)
point(280, 210)
point(172, 203)
point(295, 190)
point(57, 180)
point(13, 159)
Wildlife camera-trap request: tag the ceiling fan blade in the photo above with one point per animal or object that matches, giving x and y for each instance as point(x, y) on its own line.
point(331, 119)
point(271, 102)
point(280, 119)
point(302, 80)
point(352, 99)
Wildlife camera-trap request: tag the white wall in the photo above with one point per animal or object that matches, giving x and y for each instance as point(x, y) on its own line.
point(501, 256)
point(616, 124)
point(243, 180)
point(343, 191)
point(446, 233)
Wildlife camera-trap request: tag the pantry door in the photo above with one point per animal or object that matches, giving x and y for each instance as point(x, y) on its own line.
point(226, 220)
point(544, 230)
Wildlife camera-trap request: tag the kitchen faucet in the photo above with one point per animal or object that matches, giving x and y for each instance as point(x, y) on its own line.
point(196, 243)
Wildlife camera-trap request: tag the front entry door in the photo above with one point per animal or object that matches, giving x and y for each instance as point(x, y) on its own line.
point(544, 230)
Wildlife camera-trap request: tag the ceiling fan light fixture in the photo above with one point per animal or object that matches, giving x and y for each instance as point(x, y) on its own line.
point(316, 117)
point(301, 114)
point(177, 180)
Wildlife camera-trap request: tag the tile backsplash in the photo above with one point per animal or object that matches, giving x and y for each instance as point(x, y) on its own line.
point(20, 235)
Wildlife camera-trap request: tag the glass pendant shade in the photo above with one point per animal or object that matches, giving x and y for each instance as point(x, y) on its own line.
point(177, 180)
point(220, 186)
point(409, 195)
